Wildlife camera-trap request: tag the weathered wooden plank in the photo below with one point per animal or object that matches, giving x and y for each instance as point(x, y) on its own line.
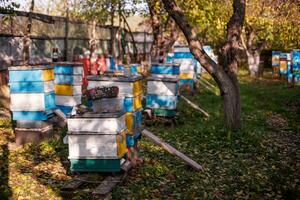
point(107, 185)
point(75, 183)
point(195, 106)
point(172, 150)
point(61, 115)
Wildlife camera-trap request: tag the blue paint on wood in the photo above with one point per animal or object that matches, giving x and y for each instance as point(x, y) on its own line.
point(296, 61)
point(128, 104)
point(61, 79)
point(27, 87)
point(186, 82)
point(164, 102)
point(32, 115)
point(130, 141)
point(65, 69)
point(183, 55)
point(165, 69)
point(26, 75)
point(50, 101)
point(65, 109)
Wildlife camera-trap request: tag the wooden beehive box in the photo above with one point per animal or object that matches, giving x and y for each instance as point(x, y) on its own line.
point(128, 86)
point(108, 105)
point(32, 101)
point(97, 122)
point(68, 100)
point(65, 79)
point(68, 90)
point(68, 68)
point(107, 145)
point(161, 102)
point(131, 104)
point(164, 70)
point(162, 86)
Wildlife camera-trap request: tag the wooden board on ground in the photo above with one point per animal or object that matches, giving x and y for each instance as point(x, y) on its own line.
point(110, 182)
point(75, 183)
point(172, 150)
point(195, 106)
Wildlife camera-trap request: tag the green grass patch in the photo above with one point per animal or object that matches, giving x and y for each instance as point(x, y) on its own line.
point(261, 161)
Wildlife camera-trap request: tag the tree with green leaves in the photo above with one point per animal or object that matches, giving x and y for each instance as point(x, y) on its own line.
point(224, 72)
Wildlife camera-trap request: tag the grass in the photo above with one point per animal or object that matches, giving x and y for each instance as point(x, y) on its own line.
point(261, 161)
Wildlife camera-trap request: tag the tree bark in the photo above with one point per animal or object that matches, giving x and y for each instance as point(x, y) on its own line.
point(26, 39)
point(161, 41)
point(135, 50)
point(225, 73)
point(254, 63)
point(112, 31)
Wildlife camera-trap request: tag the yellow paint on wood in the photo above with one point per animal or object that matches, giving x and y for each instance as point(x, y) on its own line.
point(121, 143)
point(66, 90)
point(48, 74)
point(129, 120)
point(137, 102)
point(137, 87)
point(186, 75)
point(139, 69)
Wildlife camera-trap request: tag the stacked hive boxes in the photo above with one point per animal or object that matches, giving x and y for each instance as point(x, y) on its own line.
point(162, 89)
point(276, 63)
point(130, 95)
point(97, 141)
point(187, 69)
point(68, 85)
point(283, 64)
point(32, 101)
point(296, 66)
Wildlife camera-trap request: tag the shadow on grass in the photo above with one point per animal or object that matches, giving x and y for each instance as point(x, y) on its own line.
point(5, 190)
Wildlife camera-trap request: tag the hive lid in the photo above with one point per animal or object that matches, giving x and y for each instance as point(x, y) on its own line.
point(164, 79)
point(68, 63)
point(99, 115)
point(117, 79)
point(165, 64)
point(30, 67)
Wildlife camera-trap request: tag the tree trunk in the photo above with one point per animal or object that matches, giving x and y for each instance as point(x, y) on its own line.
point(112, 31)
point(26, 39)
point(254, 63)
point(135, 50)
point(225, 73)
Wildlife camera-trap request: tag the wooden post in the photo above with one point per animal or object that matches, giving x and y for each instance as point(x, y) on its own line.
point(66, 54)
point(144, 46)
point(172, 150)
point(112, 31)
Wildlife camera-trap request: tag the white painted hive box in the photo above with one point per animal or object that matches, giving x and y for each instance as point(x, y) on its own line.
point(161, 87)
point(102, 123)
point(96, 146)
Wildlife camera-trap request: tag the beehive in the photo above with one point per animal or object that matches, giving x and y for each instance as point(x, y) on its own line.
point(97, 141)
point(164, 70)
point(162, 96)
point(32, 92)
point(296, 66)
point(128, 86)
point(276, 63)
point(68, 85)
point(97, 122)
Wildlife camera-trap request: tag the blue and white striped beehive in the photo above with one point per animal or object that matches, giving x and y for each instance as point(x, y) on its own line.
point(188, 64)
point(162, 95)
point(32, 92)
point(68, 85)
point(295, 74)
